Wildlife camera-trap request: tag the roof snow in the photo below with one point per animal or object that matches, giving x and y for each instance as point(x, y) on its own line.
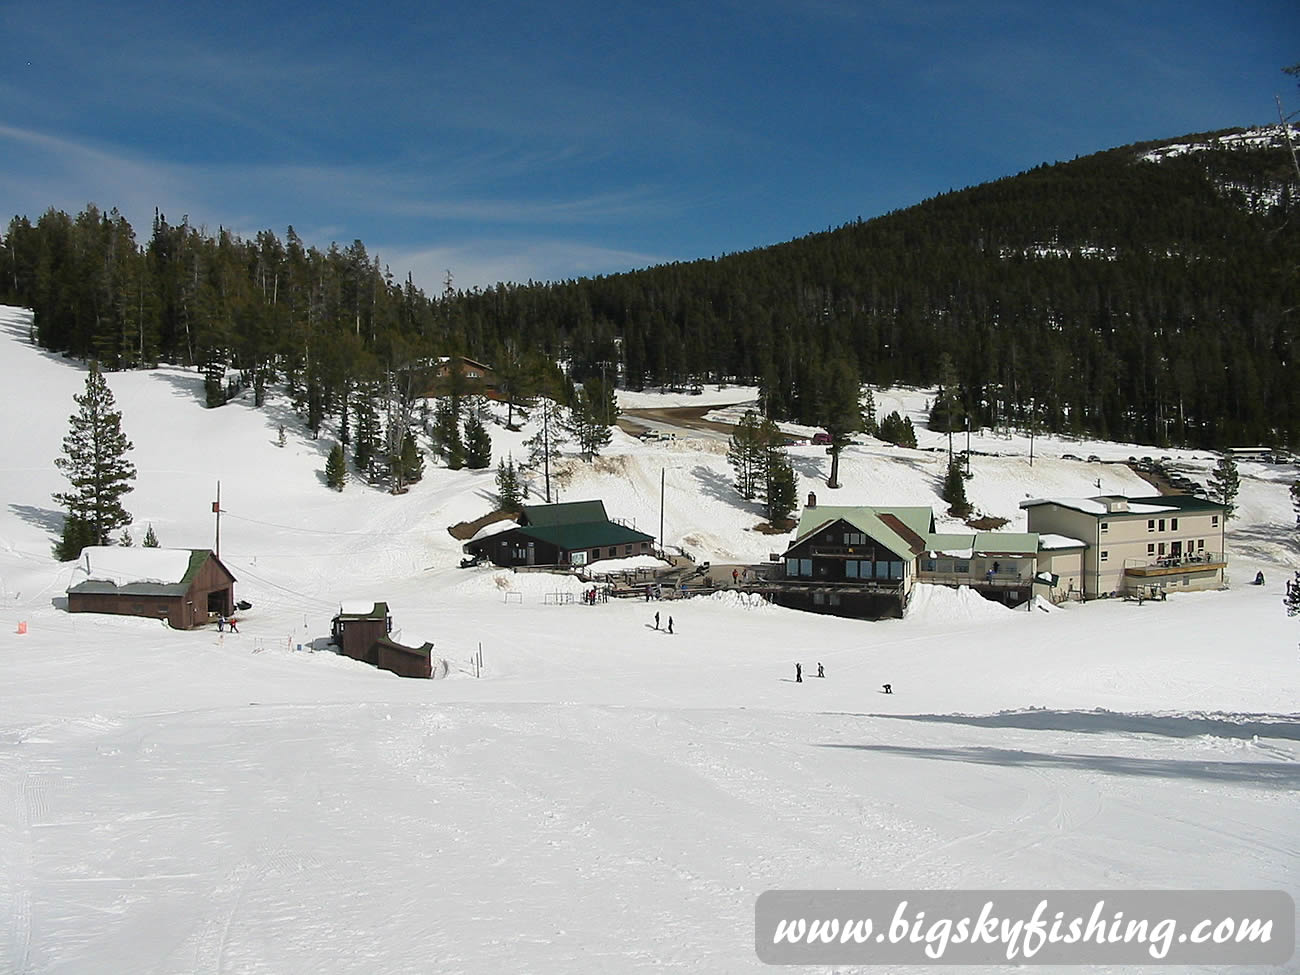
point(1091, 506)
point(1049, 542)
point(124, 566)
point(495, 528)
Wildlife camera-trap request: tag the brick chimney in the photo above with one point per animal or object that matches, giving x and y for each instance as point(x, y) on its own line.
point(812, 500)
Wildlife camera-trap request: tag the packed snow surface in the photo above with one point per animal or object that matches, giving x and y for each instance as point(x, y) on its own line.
point(605, 797)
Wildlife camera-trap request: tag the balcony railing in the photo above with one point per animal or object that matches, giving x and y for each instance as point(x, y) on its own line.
point(1157, 565)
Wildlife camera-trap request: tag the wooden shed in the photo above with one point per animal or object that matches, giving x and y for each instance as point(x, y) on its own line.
point(358, 627)
point(404, 661)
point(185, 587)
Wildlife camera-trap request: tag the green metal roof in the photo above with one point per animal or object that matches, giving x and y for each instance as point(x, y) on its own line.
point(565, 513)
point(949, 542)
point(591, 534)
point(1009, 543)
point(866, 519)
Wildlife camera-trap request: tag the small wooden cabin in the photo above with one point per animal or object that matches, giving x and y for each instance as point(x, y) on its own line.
point(185, 587)
point(404, 661)
point(356, 629)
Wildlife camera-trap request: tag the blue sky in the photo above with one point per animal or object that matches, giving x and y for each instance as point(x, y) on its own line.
point(519, 140)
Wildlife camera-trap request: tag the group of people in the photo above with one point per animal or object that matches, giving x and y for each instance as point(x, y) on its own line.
point(798, 670)
point(670, 623)
point(590, 596)
point(223, 621)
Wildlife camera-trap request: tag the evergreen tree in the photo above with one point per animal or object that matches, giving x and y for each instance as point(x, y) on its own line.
point(446, 432)
point(870, 426)
point(478, 445)
point(126, 541)
point(840, 412)
point(366, 439)
point(94, 460)
point(545, 446)
point(745, 453)
point(411, 460)
point(1292, 598)
point(954, 491)
point(779, 484)
point(150, 539)
point(947, 415)
point(586, 421)
point(898, 430)
point(509, 496)
point(336, 468)
point(1295, 502)
point(1224, 484)
point(77, 534)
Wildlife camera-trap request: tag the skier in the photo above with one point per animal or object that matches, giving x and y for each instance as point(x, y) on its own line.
point(735, 576)
point(221, 622)
point(820, 672)
point(656, 621)
point(670, 624)
point(889, 688)
point(233, 628)
point(798, 673)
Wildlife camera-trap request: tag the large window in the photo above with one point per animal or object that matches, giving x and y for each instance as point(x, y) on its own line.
point(855, 538)
point(895, 570)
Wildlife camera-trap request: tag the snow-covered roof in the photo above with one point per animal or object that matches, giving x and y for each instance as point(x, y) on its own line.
point(1050, 542)
point(1098, 506)
point(496, 528)
point(127, 566)
point(362, 607)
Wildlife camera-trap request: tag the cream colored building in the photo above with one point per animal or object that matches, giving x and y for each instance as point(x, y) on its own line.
point(1170, 542)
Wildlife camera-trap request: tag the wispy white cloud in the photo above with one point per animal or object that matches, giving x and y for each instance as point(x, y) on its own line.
point(481, 264)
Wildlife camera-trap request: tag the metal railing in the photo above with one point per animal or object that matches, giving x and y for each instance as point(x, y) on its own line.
point(1193, 561)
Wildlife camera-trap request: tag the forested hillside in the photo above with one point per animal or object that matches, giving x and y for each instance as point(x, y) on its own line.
point(1147, 293)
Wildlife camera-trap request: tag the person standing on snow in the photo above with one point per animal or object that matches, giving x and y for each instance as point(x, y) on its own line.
point(798, 673)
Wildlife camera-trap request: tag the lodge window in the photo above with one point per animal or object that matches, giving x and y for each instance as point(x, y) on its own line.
point(928, 565)
point(1151, 548)
point(1151, 525)
point(1105, 526)
point(959, 567)
point(1104, 555)
point(1214, 521)
point(627, 549)
point(162, 610)
point(819, 598)
point(855, 538)
point(835, 599)
point(1162, 524)
point(1200, 545)
point(1173, 524)
point(895, 570)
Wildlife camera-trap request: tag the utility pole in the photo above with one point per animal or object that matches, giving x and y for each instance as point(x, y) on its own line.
point(662, 472)
point(216, 510)
point(546, 447)
point(968, 445)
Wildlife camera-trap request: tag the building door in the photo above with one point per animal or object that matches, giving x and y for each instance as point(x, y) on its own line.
point(532, 554)
point(1176, 549)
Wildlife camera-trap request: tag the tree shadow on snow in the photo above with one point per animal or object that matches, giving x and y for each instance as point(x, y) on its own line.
point(51, 521)
point(1101, 721)
point(1278, 775)
point(720, 488)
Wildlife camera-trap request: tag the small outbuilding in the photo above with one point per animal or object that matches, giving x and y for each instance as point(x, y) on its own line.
point(357, 628)
point(573, 533)
point(185, 587)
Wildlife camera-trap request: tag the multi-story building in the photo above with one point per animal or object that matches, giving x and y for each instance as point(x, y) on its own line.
point(1167, 542)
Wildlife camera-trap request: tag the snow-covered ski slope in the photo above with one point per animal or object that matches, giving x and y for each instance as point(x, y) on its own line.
point(607, 798)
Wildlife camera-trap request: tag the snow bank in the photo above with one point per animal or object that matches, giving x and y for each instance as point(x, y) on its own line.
point(741, 600)
point(941, 604)
point(610, 566)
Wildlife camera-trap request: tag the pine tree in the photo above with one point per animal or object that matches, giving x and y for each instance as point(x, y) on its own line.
point(508, 489)
point(446, 433)
point(366, 440)
point(1295, 502)
point(954, 491)
point(546, 444)
point(840, 412)
point(126, 541)
point(780, 487)
point(412, 461)
point(95, 461)
point(745, 453)
point(150, 539)
point(586, 421)
point(77, 534)
point(1292, 598)
point(478, 444)
point(870, 425)
point(1224, 484)
point(336, 468)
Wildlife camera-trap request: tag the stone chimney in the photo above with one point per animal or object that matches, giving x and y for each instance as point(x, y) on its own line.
point(812, 500)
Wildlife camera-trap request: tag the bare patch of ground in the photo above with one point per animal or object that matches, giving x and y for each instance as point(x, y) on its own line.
point(465, 530)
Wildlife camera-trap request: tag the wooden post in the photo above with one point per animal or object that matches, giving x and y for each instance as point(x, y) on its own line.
point(216, 510)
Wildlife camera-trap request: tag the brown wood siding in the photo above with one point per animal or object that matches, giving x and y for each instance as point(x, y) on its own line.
point(406, 662)
point(169, 608)
point(211, 577)
point(357, 638)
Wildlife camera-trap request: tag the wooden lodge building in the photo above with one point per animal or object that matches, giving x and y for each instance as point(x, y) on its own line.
point(361, 632)
point(574, 533)
point(185, 587)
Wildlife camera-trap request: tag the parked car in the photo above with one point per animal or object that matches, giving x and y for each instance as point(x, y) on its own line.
point(1094, 459)
point(821, 438)
point(1070, 457)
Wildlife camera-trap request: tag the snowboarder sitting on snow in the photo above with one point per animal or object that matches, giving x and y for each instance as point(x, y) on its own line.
point(889, 688)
